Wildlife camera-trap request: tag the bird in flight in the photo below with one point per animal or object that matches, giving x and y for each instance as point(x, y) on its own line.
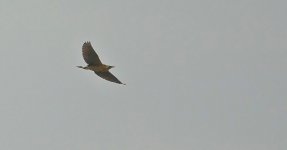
point(95, 64)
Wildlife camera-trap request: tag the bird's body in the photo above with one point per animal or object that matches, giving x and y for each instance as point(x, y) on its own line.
point(95, 64)
point(97, 68)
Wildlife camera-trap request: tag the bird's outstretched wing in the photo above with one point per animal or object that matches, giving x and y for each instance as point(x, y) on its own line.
point(89, 54)
point(108, 76)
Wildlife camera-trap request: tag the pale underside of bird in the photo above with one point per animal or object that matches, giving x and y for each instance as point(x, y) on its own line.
point(95, 64)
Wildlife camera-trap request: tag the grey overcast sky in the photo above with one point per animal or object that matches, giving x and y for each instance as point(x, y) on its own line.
point(200, 75)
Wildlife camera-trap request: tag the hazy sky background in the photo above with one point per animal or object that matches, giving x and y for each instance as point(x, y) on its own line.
point(200, 75)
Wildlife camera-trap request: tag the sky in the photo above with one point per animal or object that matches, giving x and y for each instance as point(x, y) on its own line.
point(200, 75)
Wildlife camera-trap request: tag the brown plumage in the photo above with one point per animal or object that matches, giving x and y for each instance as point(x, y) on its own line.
point(89, 54)
point(95, 64)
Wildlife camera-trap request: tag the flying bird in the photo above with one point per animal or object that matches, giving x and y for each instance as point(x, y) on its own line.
point(95, 64)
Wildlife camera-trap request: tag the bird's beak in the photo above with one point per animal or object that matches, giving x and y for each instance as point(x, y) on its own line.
point(80, 67)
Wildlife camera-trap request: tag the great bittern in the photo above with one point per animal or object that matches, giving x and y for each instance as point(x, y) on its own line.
point(95, 64)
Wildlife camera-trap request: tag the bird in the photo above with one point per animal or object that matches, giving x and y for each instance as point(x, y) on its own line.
point(95, 64)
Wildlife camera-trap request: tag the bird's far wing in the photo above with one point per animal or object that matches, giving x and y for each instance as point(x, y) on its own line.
point(108, 76)
point(89, 54)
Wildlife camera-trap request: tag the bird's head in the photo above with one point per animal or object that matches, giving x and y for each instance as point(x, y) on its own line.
point(110, 67)
point(82, 67)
